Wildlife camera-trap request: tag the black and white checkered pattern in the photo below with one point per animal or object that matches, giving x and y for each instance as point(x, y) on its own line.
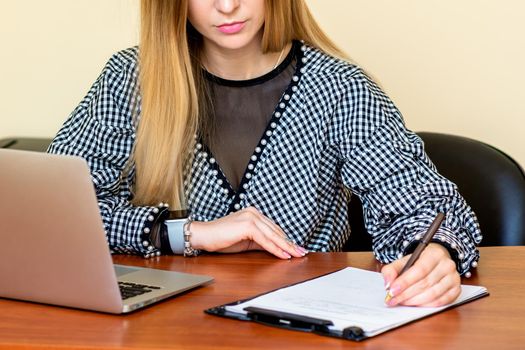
point(333, 133)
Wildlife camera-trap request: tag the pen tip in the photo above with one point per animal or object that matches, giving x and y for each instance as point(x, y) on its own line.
point(388, 297)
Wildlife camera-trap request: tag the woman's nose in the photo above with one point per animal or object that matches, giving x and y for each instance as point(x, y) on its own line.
point(226, 6)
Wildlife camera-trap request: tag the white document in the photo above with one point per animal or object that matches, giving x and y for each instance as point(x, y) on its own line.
point(349, 297)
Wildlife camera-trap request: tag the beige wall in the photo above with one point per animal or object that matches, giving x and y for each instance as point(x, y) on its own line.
point(454, 66)
point(450, 66)
point(51, 53)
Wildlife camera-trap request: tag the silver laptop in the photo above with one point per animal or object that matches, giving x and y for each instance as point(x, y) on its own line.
point(54, 248)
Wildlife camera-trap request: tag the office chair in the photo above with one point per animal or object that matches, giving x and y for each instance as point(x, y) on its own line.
point(26, 143)
point(492, 183)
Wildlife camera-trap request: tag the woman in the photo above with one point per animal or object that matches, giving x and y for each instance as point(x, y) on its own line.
point(181, 122)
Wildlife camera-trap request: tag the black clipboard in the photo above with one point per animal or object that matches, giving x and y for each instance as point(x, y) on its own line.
point(286, 320)
point(308, 324)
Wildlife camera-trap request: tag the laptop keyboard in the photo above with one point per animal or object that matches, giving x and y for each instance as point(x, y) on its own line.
point(129, 290)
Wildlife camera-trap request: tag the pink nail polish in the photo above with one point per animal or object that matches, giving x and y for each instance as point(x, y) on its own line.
point(394, 291)
point(301, 250)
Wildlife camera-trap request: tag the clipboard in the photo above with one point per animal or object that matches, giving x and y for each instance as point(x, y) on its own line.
point(324, 326)
point(289, 321)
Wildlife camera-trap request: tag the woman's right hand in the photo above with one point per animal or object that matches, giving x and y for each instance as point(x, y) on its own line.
point(244, 230)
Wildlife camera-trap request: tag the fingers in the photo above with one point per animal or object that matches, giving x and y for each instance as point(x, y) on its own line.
point(433, 289)
point(391, 271)
point(419, 274)
point(271, 223)
point(272, 238)
point(241, 231)
point(433, 280)
point(442, 293)
point(446, 298)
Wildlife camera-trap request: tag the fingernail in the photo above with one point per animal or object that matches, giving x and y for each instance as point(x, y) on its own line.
point(387, 285)
point(301, 250)
point(394, 291)
point(288, 256)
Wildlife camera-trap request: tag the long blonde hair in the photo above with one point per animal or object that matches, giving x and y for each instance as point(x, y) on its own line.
point(174, 98)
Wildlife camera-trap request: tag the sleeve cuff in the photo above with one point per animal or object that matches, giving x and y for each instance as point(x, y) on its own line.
point(462, 252)
point(154, 217)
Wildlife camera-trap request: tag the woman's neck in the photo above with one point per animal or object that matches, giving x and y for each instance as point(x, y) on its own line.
point(240, 64)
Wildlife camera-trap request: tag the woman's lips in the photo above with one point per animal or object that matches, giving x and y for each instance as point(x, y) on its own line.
point(231, 28)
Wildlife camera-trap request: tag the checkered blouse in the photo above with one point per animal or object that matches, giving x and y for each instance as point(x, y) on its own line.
point(333, 133)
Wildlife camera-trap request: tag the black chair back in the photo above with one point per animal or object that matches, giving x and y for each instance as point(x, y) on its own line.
point(492, 183)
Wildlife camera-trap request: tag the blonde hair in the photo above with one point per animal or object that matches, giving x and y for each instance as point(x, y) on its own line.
point(174, 97)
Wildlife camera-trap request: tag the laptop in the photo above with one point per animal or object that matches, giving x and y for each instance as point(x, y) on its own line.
point(54, 249)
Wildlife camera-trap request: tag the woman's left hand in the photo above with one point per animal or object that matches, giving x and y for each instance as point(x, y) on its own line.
point(432, 280)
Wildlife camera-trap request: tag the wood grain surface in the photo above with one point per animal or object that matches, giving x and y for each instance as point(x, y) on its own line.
point(494, 322)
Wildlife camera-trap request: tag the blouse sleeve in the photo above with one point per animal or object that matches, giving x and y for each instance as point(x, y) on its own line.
point(386, 166)
point(101, 131)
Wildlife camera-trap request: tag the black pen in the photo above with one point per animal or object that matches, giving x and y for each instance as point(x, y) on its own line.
point(419, 249)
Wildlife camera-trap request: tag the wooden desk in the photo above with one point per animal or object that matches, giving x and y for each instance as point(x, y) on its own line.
point(494, 322)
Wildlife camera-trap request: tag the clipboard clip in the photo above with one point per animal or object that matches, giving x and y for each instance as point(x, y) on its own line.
point(287, 320)
point(301, 323)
